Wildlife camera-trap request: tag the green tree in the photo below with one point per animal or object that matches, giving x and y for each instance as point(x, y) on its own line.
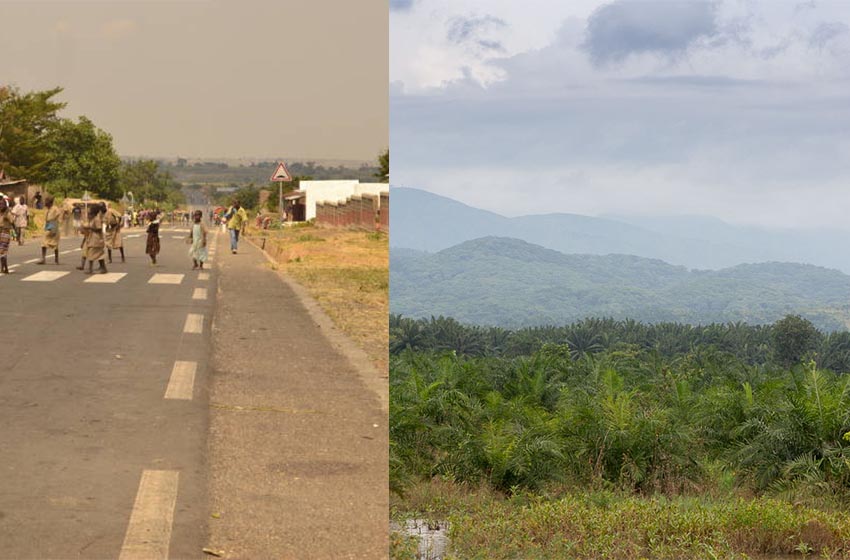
point(83, 159)
point(793, 338)
point(384, 165)
point(26, 121)
point(149, 184)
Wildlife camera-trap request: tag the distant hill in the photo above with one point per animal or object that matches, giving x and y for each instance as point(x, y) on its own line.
point(428, 222)
point(512, 283)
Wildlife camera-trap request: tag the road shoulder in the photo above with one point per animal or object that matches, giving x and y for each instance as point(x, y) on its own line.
point(298, 436)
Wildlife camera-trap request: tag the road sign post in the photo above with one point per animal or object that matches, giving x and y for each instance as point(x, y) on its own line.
point(280, 175)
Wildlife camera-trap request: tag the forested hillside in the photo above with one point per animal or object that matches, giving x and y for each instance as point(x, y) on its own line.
point(508, 282)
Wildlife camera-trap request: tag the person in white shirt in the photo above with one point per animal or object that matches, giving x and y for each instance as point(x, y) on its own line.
point(21, 216)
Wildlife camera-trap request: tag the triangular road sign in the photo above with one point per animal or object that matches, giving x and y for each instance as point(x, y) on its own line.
point(281, 173)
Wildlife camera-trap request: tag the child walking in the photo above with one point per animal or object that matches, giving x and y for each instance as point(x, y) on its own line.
point(198, 238)
point(152, 247)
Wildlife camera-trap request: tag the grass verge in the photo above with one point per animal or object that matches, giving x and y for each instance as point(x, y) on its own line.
point(585, 525)
point(346, 272)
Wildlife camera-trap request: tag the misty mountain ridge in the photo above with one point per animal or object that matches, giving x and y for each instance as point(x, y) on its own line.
point(428, 222)
point(512, 283)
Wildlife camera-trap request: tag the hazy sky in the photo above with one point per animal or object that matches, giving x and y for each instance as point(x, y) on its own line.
point(734, 108)
point(288, 78)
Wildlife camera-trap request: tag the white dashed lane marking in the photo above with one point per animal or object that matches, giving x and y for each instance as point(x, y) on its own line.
point(45, 276)
point(194, 324)
point(182, 381)
point(203, 276)
point(108, 278)
point(166, 279)
point(148, 534)
point(199, 293)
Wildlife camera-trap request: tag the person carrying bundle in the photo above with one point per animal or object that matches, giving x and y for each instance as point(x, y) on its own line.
point(51, 230)
point(94, 241)
point(113, 221)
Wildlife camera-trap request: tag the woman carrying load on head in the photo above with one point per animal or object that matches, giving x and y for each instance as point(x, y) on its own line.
point(152, 245)
point(114, 221)
point(51, 230)
point(95, 242)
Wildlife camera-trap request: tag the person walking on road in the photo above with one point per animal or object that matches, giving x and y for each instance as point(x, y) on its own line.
point(152, 246)
point(82, 226)
point(78, 218)
point(114, 220)
point(237, 219)
point(51, 230)
point(21, 216)
point(198, 238)
point(95, 242)
point(7, 222)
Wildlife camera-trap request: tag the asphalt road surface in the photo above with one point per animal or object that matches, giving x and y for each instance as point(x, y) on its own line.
point(102, 404)
point(152, 412)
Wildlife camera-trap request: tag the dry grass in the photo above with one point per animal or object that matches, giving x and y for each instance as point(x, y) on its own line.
point(347, 272)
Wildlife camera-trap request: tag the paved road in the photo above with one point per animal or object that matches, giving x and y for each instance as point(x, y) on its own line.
point(109, 445)
point(83, 409)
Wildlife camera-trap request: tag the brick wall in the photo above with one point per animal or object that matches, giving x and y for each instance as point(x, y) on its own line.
point(366, 211)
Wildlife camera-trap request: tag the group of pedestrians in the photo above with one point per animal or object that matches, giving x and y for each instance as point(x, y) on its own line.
point(101, 227)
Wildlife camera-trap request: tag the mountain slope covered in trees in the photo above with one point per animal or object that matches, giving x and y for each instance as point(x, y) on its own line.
point(508, 282)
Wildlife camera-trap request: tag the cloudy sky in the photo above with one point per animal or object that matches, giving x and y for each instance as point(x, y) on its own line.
point(211, 78)
point(733, 108)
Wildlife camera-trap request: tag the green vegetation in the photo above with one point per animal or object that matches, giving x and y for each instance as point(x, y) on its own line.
point(624, 440)
point(383, 167)
point(507, 282)
point(614, 525)
point(70, 157)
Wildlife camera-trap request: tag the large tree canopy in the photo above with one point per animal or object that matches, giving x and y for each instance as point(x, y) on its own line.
point(83, 159)
point(26, 123)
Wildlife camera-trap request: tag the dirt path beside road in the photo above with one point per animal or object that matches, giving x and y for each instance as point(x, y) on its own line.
point(298, 443)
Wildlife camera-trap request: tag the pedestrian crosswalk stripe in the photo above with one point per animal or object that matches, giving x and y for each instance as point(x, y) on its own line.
point(45, 276)
point(182, 381)
point(30, 261)
point(148, 534)
point(166, 279)
point(132, 236)
point(178, 237)
point(203, 276)
point(194, 324)
point(108, 278)
point(199, 293)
